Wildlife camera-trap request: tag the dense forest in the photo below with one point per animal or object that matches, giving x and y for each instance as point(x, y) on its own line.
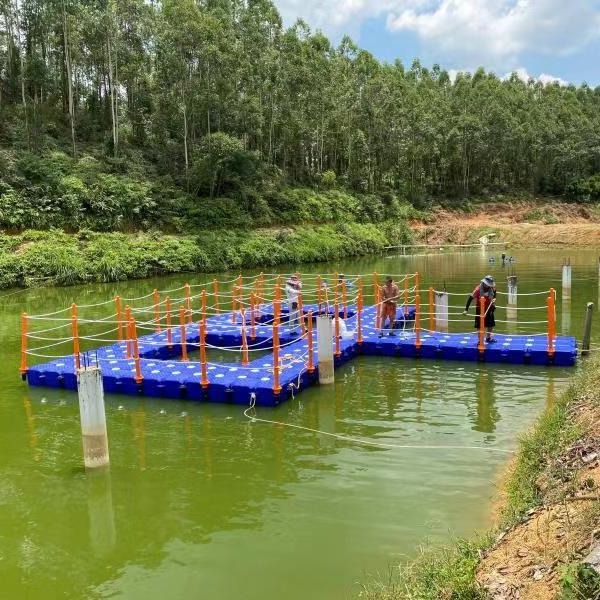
point(138, 113)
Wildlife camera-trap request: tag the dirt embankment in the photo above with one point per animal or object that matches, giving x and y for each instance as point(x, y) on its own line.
point(531, 560)
point(521, 223)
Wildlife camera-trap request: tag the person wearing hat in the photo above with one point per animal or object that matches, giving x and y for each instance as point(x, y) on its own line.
point(293, 287)
point(486, 290)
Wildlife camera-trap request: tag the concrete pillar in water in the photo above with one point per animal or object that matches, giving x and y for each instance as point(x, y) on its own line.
point(566, 279)
point(511, 304)
point(325, 349)
point(93, 418)
point(587, 329)
point(441, 311)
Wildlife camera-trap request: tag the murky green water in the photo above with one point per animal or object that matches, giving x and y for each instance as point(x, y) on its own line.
point(201, 503)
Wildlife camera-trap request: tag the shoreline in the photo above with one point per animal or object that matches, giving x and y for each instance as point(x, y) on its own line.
point(548, 519)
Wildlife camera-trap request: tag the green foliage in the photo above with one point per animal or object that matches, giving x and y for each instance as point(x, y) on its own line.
point(447, 573)
point(55, 257)
point(537, 449)
point(584, 190)
point(328, 179)
point(223, 102)
point(222, 165)
point(580, 582)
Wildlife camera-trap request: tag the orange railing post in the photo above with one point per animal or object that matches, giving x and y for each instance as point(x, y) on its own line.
point(245, 360)
point(216, 293)
point(431, 310)
point(277, 310)
point(204, 382)
point(276, 386)
point(309, 334)
point(168, 322)
point(75, 332)
point(234, 304)
point(278, 289)
point(551, 303)
point(184, 354)
point(359, 309)
point(23, 369)
point(481, 344)
point(188, 302)
point(156, 297)
point(136, 351)
point(417, 291)
point(336, 316)
point(128, 350)
point(203, 313)
point(252, 316)
point(119, 318)
point(417, 321)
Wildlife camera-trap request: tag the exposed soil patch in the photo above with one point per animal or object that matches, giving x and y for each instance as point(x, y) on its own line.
point(523, 223)
point(526, 561)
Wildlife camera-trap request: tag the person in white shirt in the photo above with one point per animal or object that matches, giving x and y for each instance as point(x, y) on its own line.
point(293, 288)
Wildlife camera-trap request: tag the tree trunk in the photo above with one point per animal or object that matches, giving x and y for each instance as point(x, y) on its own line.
point(185, 141)
point(114, 107)
point(67, 51)
point(22, 63)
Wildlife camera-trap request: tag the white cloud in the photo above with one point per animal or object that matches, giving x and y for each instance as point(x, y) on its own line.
point(521, 73)
point(495, 33)
point(544, 78)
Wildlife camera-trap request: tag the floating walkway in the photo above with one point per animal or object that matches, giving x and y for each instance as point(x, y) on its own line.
point(159, 363)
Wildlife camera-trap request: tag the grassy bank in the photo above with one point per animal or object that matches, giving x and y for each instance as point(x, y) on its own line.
point(549, 520)
point(58, 258)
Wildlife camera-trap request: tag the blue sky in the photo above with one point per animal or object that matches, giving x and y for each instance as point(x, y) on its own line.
point(539, 38)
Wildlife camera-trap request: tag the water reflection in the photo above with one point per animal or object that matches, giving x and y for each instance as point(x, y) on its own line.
point(33, 436)
point(487, 415)
point(138, 422)
point(101, 513)
point(566, 316)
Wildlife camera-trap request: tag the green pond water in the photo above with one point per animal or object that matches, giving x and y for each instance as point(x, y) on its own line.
point(200, 502)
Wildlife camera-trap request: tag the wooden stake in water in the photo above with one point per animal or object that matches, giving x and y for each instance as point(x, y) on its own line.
point(587, 329)
point(93, 418)
point(325, 349)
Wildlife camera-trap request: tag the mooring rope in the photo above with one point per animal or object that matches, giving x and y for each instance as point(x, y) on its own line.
point(255, 419)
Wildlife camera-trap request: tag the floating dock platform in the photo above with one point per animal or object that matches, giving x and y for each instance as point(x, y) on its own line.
point(163, 374)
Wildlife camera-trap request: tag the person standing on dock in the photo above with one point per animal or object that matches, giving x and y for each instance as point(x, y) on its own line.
point(293, 287)
point(486, 290)
point(390, 293)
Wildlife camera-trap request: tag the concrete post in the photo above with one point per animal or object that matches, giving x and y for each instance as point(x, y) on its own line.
point(587, 328)
point(325, 350)
point(441, 311)
point(93, 418)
